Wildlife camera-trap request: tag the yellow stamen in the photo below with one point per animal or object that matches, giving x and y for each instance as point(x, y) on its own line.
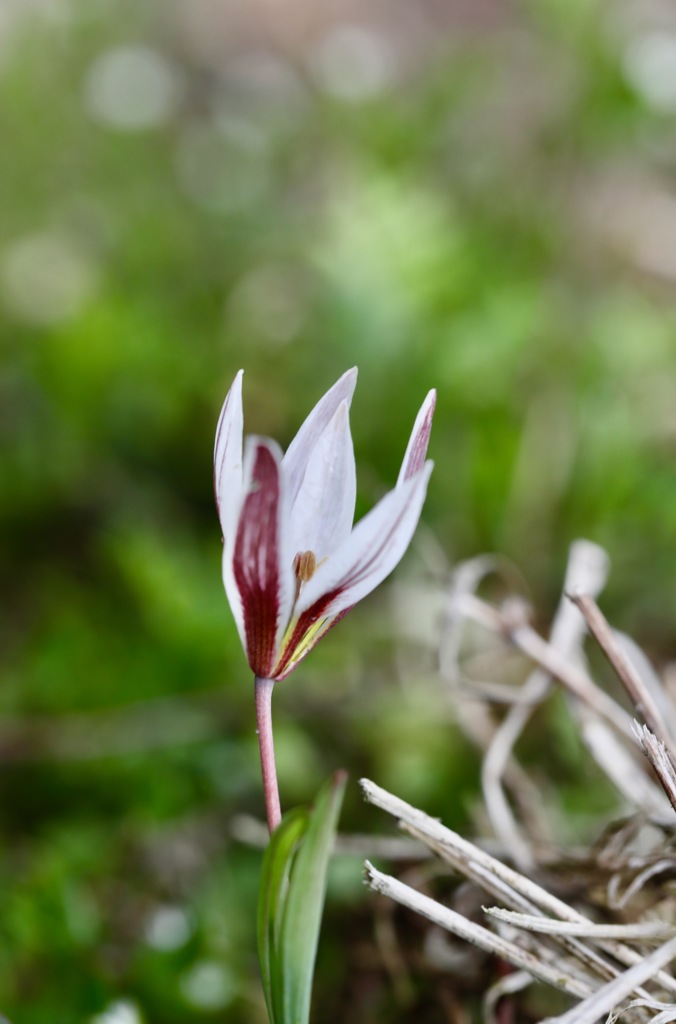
point(307, 640)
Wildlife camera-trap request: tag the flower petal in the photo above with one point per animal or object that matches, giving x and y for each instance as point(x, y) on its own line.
point(302, 641)
point(414, 457)
point(228, 460)
point(369, 554)
point(232, 593)
point(323, 511)
point(298, 452)
point(261, 567)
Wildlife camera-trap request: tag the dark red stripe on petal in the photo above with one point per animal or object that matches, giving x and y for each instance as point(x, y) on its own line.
point(305, 622)
point(256, 561)
point(288, 665)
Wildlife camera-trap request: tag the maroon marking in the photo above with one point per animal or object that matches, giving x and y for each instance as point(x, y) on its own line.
point(318, 610)
point(305, 622)
point(256, 562)
point(359, 570)
point(416, 458)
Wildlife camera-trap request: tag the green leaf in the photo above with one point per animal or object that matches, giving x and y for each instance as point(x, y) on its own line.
point(273, 890)
point(293, 886)
point(305, 901)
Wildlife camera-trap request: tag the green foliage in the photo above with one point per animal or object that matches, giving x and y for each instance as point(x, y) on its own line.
point(293, 885)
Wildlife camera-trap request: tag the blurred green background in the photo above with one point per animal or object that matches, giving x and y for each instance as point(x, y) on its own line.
point(473, 196)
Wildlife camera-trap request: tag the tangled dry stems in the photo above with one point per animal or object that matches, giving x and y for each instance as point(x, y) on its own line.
point(599, 925)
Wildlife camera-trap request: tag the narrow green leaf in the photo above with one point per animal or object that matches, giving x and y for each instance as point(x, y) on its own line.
point(302, 910)
point(272, 896)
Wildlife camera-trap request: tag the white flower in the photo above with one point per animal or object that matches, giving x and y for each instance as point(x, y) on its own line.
point(293, 563)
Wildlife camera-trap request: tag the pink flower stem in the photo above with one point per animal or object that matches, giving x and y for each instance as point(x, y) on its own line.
point(263, 691)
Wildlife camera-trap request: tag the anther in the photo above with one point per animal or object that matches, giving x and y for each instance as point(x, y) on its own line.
point(304, 565)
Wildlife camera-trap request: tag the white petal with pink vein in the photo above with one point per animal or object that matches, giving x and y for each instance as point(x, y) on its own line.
point(373, 549)
point(323, 511)
point(300, 449)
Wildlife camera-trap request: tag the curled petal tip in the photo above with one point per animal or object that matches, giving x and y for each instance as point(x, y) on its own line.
point(300, 449)
point(414, 458)
point(323, 509)
point(346, 383)
point(228, 457)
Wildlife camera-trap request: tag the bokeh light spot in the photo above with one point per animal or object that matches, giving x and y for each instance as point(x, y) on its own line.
point(650, 67)
point(208, 986)
point(270, 302)
point(353, 63)
point(169, 928)
point(121, 1012)
point(132, 88)
point(45, 278)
